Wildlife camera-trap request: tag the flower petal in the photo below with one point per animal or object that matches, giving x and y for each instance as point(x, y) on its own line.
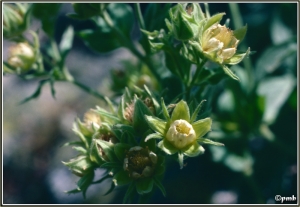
point(194, 150)
point(202, 126)
point(227, 53)
point(181, 111)
point(167, 147)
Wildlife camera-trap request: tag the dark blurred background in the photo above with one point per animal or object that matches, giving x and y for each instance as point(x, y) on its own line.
point(257, 163)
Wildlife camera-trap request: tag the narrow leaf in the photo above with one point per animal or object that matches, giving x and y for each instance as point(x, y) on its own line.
point(154, 136)
point(165, 110)
point(208, 141)
point(240, 33)
point(156, 124)
point(230, 73)
point(159, 185)
point(197, 110)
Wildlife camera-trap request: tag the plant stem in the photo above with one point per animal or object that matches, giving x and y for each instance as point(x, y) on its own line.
point(139, 15)
point(198, 70)
point(195, 77)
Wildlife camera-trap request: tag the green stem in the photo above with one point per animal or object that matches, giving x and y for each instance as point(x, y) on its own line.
point(238, 23)
point(139, 15)
point(199, 69)
point(256, 189)
point(195, 77)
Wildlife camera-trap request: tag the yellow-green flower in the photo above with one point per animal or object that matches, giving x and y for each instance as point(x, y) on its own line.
point(219, 44)
point(180, 133)
point(21, 55)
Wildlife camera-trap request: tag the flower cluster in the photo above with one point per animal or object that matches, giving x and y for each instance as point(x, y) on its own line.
point(121, 140)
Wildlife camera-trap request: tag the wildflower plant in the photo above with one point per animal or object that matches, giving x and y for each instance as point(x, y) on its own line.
point(133, 134)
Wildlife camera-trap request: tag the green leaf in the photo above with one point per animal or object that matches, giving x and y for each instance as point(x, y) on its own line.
point(274, 57)
point(80, 149)
point(121, 178)
point(208, 141)
point(112, 187)
point(108, 149)
point(202, 126)
point(156, 124)
point(194, 150)
point(167, 147)
point(230, 73)
point(85, 182)
point(85, 10)
point(165, 110)
point(240, 33)
point(214, 19)
point(198, 13)
point(181, 111)
point(154, 136)
point(100, 41)
point(66, 42)
point(279, 31)
point(144, 185)
point(120, 150)
point(197, 110)
point(104, 113)
point(276, 91)
point(129, 193)
point(37, 93)
point(237, 58)
point(47, 13)
point(80, 135)
point(180, 159)
point(139, 122)
point(159, 185)
point(122, 16)
point(80, 165)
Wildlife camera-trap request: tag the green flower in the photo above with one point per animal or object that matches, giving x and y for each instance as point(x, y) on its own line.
point(219, 44)
point(180, 133)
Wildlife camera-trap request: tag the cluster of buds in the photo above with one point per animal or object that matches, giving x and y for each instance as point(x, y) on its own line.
point(202, 37)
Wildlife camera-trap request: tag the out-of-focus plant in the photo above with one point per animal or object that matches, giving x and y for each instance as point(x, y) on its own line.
point(181, 60)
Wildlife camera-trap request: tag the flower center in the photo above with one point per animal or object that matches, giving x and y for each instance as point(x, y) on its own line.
point(181, 134)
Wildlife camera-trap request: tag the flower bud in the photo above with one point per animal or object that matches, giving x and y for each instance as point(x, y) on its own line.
point(106, 136)
point(181, 134)
point(184, 20)
point(15, 19)
point(140, 162)
point(219, 43)
point(21, 56)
